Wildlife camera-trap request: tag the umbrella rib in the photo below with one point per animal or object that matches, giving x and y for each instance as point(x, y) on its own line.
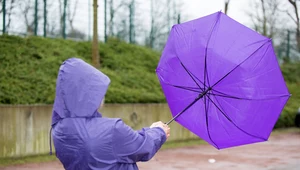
point(241, 63)
point(186, 88)
point(198, 80)
point(190, 74)
point(205, 58)
point(241, 98)
point(227, 117)
point(220, 92)
point(207, 125)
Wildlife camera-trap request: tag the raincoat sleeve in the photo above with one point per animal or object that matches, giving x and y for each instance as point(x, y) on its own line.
point(131, 146)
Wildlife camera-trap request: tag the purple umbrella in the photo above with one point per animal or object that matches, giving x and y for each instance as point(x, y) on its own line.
point(222, 81)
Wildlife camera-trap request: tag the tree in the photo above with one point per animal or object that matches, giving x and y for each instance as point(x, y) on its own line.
point(52, 29)
point(226, 6)
point(71, 13)
point(95, 48)
point(77, 34)
point(1, 9)
point(10, 12)
point(296, 21)
point(9, 7)
point(122, 31)
point(131, 7)
point(112, 12)
point(125, 23)
point(159, 26)
point(26, 6)
point(265, 17)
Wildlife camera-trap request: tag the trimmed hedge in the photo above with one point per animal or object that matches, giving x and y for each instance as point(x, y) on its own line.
point(29, 66)
point(28, 71)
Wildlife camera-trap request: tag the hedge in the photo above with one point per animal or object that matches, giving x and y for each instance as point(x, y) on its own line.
point(28, 71)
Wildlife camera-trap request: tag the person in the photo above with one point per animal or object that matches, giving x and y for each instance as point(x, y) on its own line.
point(83, 139)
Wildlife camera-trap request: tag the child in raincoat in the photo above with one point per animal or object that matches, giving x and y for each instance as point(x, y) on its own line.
point(83, 139)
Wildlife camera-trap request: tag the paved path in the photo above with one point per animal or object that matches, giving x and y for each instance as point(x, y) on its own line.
point(281, 152)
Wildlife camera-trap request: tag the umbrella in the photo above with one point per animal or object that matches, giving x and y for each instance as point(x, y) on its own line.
point(222, 81)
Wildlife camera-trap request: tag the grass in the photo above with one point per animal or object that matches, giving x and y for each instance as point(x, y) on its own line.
point(27, 159)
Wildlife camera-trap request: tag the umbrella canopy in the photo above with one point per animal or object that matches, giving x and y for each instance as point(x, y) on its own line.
point(222, 81)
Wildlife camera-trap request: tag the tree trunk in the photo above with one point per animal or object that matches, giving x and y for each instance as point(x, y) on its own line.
point(294, 3)
point(36, 17)
point(4, 13)
point(151, 38)
point(105, 21)
point(45, 18)
point(111, 20)
point(95, 52)
point(264, 18)
point(226, 6)
point(131, 21)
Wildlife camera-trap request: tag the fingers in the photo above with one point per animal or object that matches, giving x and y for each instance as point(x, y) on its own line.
point(162, 125)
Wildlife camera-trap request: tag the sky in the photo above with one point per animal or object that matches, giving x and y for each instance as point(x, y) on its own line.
point(190, 9)
point(198, 8)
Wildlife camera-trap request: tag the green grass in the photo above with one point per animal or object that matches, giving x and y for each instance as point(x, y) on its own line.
point(28, 159)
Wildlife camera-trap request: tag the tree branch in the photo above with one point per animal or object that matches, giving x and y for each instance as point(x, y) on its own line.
point(291, 16)
point(226, 6)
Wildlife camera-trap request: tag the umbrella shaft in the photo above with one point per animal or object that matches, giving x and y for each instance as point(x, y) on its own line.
point(191, 104)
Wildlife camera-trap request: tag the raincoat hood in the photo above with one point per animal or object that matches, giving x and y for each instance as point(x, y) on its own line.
point(80, 89)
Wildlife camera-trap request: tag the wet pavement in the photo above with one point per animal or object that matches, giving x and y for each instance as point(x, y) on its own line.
point(281, 152)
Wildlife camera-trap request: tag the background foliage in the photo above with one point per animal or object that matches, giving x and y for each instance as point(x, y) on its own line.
point(29, 66)
point(28, 71)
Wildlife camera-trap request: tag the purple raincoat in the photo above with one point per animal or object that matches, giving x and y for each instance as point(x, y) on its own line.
point(85, 140)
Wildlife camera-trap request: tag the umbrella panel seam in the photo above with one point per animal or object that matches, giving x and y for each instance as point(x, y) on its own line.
point(228, 118)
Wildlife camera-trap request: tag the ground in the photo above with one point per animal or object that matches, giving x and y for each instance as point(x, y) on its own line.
point(281, 152)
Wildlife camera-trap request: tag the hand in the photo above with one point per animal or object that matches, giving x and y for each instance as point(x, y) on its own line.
point(165, 127)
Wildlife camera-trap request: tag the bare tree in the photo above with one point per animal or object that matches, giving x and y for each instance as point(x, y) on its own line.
point(71, 13)
point(9, 11)
point(52, 28)
point(10, 5)
point(122, 31)
point(26, 6)
point(60, 14)
point(76, 33)
point(131, 7)
point(122, 21)
point(296, 21)
point(1, 9)
point(112, 12)
point(226, 6)
point(63, 4)
point(265, 17)
point(159, 27)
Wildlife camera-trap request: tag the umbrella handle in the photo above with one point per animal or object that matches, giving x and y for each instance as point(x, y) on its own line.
point(178, 114)
point(201, 95)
